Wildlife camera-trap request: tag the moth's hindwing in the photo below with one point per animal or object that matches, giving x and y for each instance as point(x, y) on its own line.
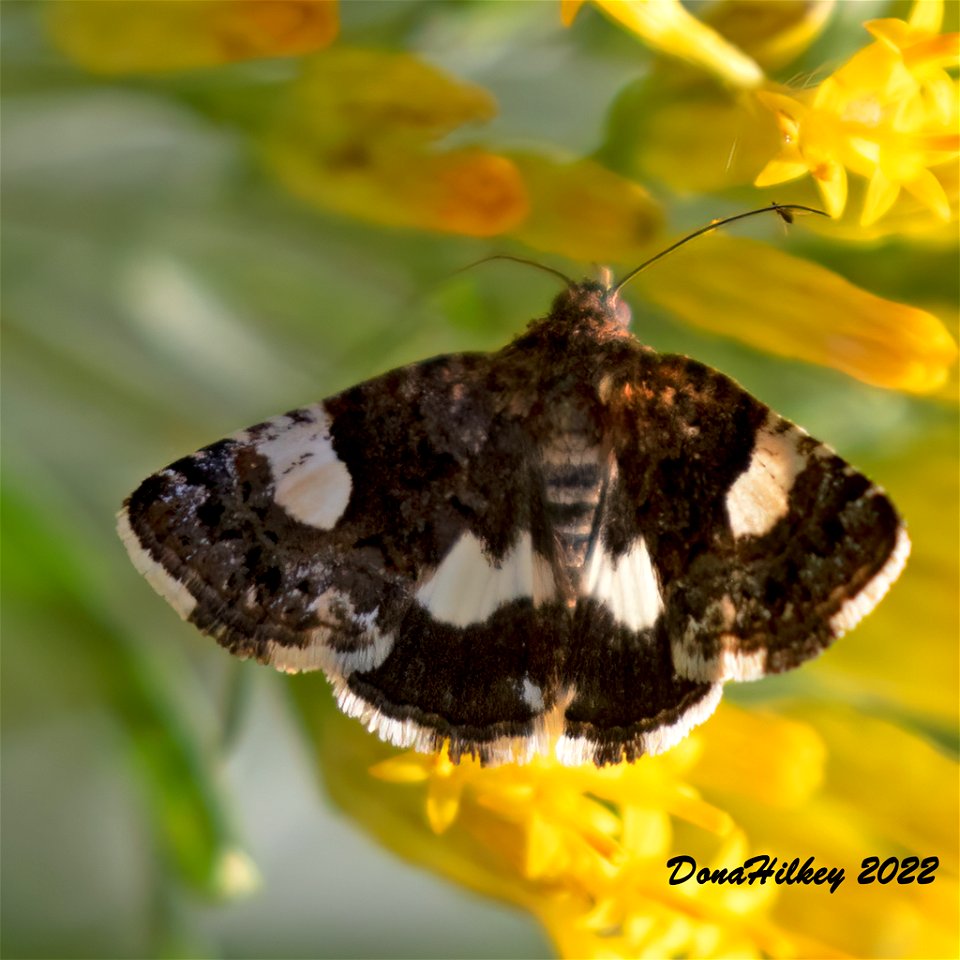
point(566, 547)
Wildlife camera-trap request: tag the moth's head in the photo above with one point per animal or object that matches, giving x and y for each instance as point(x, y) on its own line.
point(593, 302)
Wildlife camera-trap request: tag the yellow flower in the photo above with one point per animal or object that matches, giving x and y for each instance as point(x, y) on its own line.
point(667, 26)
point(120, 36)
point(889, 114)
point(585, 850)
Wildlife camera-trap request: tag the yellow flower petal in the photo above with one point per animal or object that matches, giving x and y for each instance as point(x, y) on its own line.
point(772, 34)
point(881, 196)
point(918, 48)
point(357, 135)
point(668, 27)
point(443, 803)
point(906, 218)
point(471, 192)
point(828, 767)
point(791, 754)
point(546, 848)
point(119, 36)
point(793, 307)
point(926, 16)
point(927, 189)
point(402, 769)
point(831, 179)
point(569, 9)
point(933, 52)
point(584, 211)
point(646, 833)
point(780, 171)
point(394, 95)
point(943, 95)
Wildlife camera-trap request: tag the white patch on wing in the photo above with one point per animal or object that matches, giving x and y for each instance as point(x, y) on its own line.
point(627, 586)
point(311, 483)
point(739, 665)
point(857, 607)
point(467, 587)
point(289, 659)
point(171, 589)
point(318, 654)
point(730, 663)
point(759, 498)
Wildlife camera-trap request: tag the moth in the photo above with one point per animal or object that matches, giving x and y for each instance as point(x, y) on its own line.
point(566, 547)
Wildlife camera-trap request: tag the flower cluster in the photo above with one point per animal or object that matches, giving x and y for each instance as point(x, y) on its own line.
point(889, 114)
point(585, 849)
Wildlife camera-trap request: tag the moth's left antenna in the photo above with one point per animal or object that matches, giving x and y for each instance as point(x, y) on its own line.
point(510, 256)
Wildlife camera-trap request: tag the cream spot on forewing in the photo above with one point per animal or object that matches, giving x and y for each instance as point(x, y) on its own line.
point(171, 589)
point(368, 649)
point(760, 496)
point(467, 586)
point(857, 607)
point(311, 483)
point(729, 663)
point(627, 585)
point(317, 654)
point(737, 664)
point(291, 659)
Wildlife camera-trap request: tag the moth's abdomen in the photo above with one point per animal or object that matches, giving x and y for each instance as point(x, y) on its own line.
point(573, 466)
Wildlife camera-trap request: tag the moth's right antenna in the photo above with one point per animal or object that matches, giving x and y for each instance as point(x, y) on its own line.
point(783, 210)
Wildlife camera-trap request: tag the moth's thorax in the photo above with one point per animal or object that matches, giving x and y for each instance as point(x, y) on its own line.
point(565, 357)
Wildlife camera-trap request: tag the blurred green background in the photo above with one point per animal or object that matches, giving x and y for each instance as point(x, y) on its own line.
point(162, 290)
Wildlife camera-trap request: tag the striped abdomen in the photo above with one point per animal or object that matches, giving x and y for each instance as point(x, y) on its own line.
point(573, 474)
